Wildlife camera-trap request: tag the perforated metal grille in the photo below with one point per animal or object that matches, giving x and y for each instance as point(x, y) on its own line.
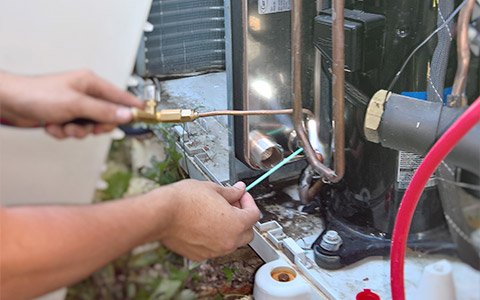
point(189, 37)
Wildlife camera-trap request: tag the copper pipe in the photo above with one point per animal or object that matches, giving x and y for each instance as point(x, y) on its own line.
point(463, 49)
point(315, 189)
point(338, 80)
point(251, 112)
point(306, 189)
point(297, 91)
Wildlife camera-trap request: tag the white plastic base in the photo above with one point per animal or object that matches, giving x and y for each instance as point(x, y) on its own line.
point(267, 288)
point(373, 273)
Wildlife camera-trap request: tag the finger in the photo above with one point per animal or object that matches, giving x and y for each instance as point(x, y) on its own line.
point(77, 131)
point(100, 88)
point(101, 111)
point(86, 130)
point(236, 204)
point(249, 211)
point(56, 131)
point(234, 193)
point(246, 237)
point(103, 128)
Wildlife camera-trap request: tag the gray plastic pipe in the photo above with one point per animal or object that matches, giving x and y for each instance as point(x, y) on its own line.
point(412, 125)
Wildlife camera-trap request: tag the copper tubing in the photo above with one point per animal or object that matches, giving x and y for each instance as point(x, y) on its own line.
point(339, 87)
point(306, 189)
point(250, 112)
point(463, 49)
point(338, 82)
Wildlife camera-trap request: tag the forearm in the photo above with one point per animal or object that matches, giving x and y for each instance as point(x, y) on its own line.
point(7, 101)
point(44, 248)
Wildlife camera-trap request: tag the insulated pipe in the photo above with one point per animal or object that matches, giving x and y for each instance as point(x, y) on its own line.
point(463, 49)
point(412, 125)
point(410, 200)
point(338, 82)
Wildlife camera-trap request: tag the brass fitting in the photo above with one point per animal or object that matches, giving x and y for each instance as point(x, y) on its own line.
point(151, 115)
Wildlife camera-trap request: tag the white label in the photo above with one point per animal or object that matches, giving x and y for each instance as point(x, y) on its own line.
point(273, 6)
point(408, 164)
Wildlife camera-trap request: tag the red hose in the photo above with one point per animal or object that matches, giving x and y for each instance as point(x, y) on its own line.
point(407, 207)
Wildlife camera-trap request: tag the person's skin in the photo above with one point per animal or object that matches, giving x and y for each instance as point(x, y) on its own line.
point(60, 98)
point(43, 248)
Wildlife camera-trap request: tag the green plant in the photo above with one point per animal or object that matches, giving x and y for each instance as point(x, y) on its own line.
point(169, 170)
point(118, 184)
point(229, 273)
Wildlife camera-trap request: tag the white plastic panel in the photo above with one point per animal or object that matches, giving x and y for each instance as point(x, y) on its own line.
point(45, 36)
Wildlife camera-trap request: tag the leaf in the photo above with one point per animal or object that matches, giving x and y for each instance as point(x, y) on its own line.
point(167, 171)
point(144, 259)
point(179, 275)
point(228, 273)
point(186, 295)
point(166, 289)
point(131, 290)
point(196, 277)
point(117, 185)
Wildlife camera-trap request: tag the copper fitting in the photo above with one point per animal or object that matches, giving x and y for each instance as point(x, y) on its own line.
point(265, 153)
point(462, 49)
point(151, 115)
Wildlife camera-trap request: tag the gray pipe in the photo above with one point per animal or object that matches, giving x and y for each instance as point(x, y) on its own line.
point(438, 69)
point(413, 125)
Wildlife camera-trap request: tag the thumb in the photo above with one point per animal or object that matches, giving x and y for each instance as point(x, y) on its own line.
point(234, 193)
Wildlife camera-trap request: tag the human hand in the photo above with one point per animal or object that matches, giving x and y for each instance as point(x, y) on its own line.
point(203, 223)
point(60, 98)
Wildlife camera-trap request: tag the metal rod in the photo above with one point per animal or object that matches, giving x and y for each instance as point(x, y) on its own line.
point(329, 174)
point(463, 49)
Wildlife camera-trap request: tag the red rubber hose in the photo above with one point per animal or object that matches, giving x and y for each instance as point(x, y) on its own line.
point(409, 202)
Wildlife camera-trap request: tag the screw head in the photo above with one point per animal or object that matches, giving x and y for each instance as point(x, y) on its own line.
point(331, 241)
point(283, 277)
point(331, 236)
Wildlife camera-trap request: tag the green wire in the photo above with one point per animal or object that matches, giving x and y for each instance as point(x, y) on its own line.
point(274, 169)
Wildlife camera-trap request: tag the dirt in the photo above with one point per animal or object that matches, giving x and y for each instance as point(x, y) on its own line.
point(213, 279)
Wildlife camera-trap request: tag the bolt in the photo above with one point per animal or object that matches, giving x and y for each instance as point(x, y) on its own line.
point(403, 31)
point(331, 241)
point(283, 277)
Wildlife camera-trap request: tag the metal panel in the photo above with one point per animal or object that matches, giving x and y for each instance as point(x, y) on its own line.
point(262, 70)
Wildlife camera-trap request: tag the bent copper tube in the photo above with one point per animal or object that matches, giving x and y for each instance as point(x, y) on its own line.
point(463, 49)
point(338, 90)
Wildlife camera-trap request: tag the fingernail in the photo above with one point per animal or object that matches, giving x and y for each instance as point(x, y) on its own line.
point(123, 115)
point(69, 131)
point(52, 130)
point(239, 185)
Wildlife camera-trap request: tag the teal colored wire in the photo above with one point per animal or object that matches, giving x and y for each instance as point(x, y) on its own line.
point(274, 169)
